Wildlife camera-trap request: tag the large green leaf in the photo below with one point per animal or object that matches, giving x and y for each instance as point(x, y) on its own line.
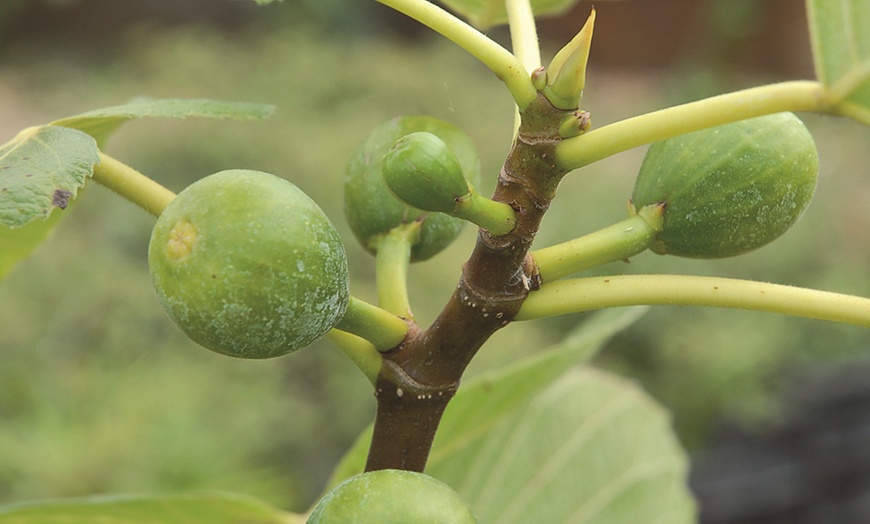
point(591, 448)
point(840, 32)
point(211, 508)
point(487, 13)
point(101, 123)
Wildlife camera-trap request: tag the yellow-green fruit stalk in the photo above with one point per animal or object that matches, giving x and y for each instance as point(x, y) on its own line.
point(248, 265)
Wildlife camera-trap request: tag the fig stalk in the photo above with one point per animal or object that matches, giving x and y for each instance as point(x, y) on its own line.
point(619, 241)
point(132, 185)
point(585, 294)
point(378, 326)
point(393, 255)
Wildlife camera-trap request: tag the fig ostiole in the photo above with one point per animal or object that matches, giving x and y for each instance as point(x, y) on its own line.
point(372, 210)
point(392, 496)
point(422, 171)
point(249, 266)
point(729, 189)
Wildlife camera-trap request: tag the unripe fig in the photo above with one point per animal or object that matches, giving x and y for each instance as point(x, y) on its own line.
point(392, 497)
point(729, 189)
point(423, 172)
point(372, 210)
point(248, 265)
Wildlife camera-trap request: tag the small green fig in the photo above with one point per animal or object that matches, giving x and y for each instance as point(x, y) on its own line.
point(423, 172)
point(372, 210)
point(392, 496)
point(247, 265)
point(729, 189)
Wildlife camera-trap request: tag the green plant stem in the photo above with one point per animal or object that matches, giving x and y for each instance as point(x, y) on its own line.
point(360, 351)
point(496, 217)
point(381, 328)
point(524, 34)
point(132, 185)
point(524, 40)
point(603, 142)
point(391, 269)
point(586, 294)
point(619, 241)
point(502, 62)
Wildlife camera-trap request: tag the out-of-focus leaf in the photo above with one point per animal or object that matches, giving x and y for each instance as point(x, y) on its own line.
point(170, 509)
point(591, 448)
point(101, 123)
point(482, 403)
point(486, 13)
point(16, 244)
point(840, 33)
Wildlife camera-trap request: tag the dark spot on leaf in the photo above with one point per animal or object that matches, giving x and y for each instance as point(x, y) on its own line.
point(60, 198)
point(29, 175)
point(213, 275)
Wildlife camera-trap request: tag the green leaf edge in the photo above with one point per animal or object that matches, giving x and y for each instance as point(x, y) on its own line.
point(101, 123)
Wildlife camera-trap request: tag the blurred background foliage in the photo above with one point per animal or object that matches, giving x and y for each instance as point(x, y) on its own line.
point(99, 392)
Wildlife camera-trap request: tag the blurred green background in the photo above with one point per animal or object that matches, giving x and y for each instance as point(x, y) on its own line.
point(99, 392)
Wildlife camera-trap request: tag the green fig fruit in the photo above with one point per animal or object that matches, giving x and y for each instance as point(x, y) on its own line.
point(247, 265)
point(729, 189)
point(392, 496)
point(372, 210)
point(422, 171)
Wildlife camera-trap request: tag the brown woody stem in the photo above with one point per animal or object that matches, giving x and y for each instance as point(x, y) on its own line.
point(420, 376)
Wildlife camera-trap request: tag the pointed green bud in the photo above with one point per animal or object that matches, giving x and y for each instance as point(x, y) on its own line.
point(423, 172)
point(539, 78)
point(567, 70)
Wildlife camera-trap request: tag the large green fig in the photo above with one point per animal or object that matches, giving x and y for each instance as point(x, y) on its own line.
point(370, 207)
point(392, 497)
point(248, 265)
point(729, 189)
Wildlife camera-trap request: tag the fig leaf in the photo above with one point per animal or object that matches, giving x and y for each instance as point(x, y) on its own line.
point(841, 52)
point(101, 123)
